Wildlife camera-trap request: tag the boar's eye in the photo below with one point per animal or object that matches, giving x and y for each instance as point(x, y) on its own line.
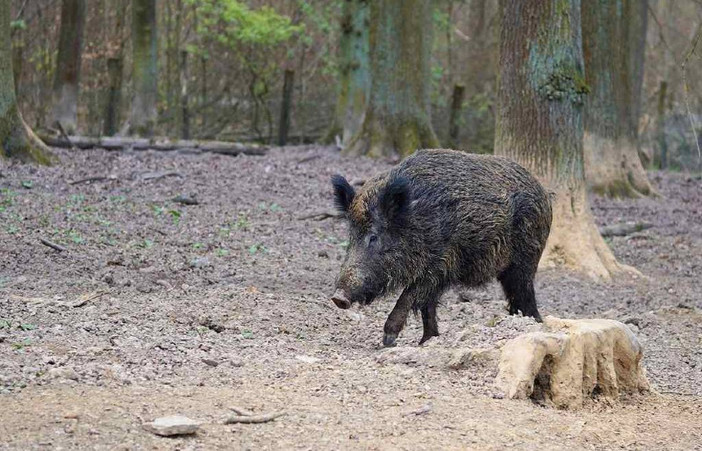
point(372, 239)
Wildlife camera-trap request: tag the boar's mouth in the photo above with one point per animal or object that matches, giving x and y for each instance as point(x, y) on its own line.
point(343, 302)
point(340, 299)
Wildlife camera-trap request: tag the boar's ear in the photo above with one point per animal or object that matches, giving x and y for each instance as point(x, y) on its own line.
point(395, 200)
point(343, 193)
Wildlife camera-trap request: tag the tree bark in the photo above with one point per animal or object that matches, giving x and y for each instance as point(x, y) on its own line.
point(67, 77)
point(286, 105)
point(540, 123)
point(614, 38)
point(184, 109)
point(397, 119)
point(660, 125)
point(16, 139)
point(354, 71)
point(144, 68)
point(114, 96)
point(455, 114)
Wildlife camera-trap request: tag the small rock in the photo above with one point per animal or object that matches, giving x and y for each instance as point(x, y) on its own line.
point(355, 316)
point(323, 254)
point(200, 262)
point(172, 425)
point(307, 359)
point(63, 372)
point(144, 288)
point(210, 362)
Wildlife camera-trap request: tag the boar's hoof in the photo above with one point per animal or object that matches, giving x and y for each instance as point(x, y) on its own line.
point(426, 337)
point(389, 340)
point(341, 300)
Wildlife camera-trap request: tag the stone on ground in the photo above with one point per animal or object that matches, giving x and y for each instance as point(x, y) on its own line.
point(172, 425)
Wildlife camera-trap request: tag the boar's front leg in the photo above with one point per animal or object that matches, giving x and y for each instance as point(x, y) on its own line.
point(418, 294)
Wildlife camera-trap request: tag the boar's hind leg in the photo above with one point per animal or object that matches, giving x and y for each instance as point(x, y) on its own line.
point(518, 286)
point(417, 294)
point(431, 326)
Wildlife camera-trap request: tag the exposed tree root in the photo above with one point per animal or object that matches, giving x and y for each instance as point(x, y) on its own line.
point(575, 241)
point(614, 169)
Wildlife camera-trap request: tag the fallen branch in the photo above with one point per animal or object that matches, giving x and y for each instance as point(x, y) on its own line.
point(52, 245)
point(65, 136)
point(84, 299)
point(309, 158)
point(125, 143)
point(97, 178)
point(426, 408)
point(253, 419)
point(160, 175)
point(624, 229)
point(321, 216)
point(242, 412)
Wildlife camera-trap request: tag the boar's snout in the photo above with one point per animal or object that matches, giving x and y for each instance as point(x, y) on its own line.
point(340, 299)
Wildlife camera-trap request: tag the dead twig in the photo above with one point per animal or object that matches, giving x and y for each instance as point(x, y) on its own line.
point(84, 299)
point(64, 135)
point(52, 245)
point(253, 419)
point(320, 216)
point(426, 408)
point(625, 228)
point(160, 175)
point(97, 178)
point(240, 411)
point(309, 158)
point(185, 200)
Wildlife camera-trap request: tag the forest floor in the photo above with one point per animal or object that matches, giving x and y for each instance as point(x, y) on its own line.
point(158, 308)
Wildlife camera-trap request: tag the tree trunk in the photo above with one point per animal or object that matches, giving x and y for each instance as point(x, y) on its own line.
point(185, 111)
point(614, 38)
point(284, 126)
point(660, 125)
point(354, 72)
point(540, 122)
point(114, 96)
point(67, 77)
point(144, 68)
point(397, 119)
point(16, 139)
point(455, 114)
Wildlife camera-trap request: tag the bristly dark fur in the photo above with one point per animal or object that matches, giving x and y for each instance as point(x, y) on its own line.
point(343, 193)
point(442, 218)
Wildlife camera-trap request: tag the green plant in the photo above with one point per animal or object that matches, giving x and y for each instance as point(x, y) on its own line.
point(22, 344)
point(258, 247)
point(74, 236)
point(175, 216)
point(146, 244)
point(28, 184)
point(221, 252)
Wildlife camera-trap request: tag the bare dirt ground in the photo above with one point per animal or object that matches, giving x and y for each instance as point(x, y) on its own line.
point(158, 308)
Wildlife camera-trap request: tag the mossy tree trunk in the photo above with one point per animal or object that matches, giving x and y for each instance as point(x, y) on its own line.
point(16, 139)
point(397, 118)
point(67, 77)
point(354, 71)
point(614, 39)
point(540, 122)
point(143, 114)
